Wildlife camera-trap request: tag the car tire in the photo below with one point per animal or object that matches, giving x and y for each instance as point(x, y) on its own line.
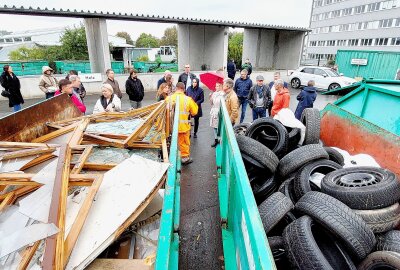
point(294, 135)
point(277, 142)
point(363, 188)
point(263, 188)
point(381, 260)
point(240, 129)
point(302, 184)
point(278, 252)
point(381, 220)
point(312, 121)
point(333, 86)
point(390, 241)
point(258, 152)
point(340, 220)
point(295, 83)
point(309, 247)
point(287, 189)
point(299, 157)
point(334, 155)
point(273, 209)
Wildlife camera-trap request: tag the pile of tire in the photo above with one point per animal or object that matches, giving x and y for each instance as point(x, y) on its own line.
point(347, 221)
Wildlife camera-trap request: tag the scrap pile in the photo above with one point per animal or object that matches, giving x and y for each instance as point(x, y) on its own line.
point(67, 195)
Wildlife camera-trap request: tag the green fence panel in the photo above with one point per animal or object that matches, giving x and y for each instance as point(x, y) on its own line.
point(21, 68)
point(168, 238)
point(245, 243)
point(118, 66)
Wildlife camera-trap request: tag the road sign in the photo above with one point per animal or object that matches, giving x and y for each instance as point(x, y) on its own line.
point(360, 62)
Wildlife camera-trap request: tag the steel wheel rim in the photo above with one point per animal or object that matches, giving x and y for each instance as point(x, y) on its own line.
point(361, 179)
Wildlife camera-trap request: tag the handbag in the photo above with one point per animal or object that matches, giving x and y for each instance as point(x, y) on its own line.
point(6, 93)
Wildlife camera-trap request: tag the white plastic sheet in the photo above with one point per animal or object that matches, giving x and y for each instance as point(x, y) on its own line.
point(287, 118)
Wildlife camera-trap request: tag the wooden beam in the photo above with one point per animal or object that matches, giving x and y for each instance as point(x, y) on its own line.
point(81, 217)
point(82, 159)
point(4, 144)
point(18, 192)
point(55, 134)
point(27, 152)
point(8, 200)
point(76, 137)
point(37, 161)
point(13, 176)
point(19, 183)
point(105, 141)
point(98, 166)
point(28, 255)
point(164, 149)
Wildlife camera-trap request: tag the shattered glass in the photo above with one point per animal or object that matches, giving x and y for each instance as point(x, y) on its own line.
point(122, 127)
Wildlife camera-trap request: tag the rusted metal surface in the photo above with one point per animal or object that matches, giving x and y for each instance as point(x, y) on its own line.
point(342, 129)
point(30, 123)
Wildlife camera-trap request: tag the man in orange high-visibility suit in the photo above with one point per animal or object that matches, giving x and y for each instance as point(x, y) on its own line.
point(186, 107)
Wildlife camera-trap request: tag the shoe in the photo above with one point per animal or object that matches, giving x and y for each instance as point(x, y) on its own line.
point(215, 143)
point(186, 161)
point(195, 135)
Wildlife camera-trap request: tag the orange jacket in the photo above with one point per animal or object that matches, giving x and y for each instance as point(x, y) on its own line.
point(186, 107)
point(282, 100)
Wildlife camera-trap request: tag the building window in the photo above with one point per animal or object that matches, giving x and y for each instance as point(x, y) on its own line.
point(353, 42)
point(366, 42)
point(341, 42)
point(328, 2)
point(395, 41)
point(381, 41)
point(385, 23)
point(313, 43)
point(17, 39)
point(331, 43)
point(321, 43)
point(359, 9)
point(27, 38)
point(344, 27)
point(397, 22)
point(336, 13)
point(1, 40)
point(373, 6)
point(9, 40)
point(347, 11)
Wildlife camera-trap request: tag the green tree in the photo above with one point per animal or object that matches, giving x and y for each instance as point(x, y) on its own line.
point(170, 37)
point(74, 44)
point(235, 47)
point(147, 41)
point(126, 36)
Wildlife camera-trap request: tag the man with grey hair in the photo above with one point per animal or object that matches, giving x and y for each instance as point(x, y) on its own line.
point(231, 101)
point(163, 79)
point(114, 83)
point(271, 85)
point(186, 77)
point(242, 89)
point(282, 97)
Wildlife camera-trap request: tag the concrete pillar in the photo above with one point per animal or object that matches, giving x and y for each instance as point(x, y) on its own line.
point(276, 49)
point(202, 44)
point(127, 56)
point(98, 47)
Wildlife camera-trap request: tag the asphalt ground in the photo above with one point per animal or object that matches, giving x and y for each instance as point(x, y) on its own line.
point(200, 233)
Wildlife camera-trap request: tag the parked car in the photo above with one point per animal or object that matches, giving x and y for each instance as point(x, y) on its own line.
point(325, 78)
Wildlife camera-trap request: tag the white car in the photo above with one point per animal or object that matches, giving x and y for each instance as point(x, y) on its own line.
point(324, 78)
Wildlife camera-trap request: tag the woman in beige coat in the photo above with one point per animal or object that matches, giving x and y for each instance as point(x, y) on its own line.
point(48, 83)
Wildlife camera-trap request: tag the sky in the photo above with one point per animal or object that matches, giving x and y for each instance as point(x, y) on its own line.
point(276, 12)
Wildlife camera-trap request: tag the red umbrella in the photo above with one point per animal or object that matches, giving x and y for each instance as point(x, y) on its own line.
point(209, 79)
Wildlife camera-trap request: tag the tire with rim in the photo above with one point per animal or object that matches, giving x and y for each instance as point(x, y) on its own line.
point(363, 188)
point(312, 120)
point(333, 86)
point(271, 133)
point(389, 241)
point(240, 129)
point(334, 155)
point(309, 247)
point(273, 209)
point(299, 157)
point(302, 184)
point(278, 252)
point(258, 152)
point(381, 260)
point(381, 220)
point(340, 220)
point(295, 83)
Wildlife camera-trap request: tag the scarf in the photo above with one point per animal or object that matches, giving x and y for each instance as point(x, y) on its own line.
point(104, 102)
point(260, 91)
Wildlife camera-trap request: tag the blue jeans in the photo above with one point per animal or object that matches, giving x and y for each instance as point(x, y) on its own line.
point(259, 112)
point(243, 101)
point(17, 107)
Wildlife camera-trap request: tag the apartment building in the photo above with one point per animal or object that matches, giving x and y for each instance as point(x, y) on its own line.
point(352, 24)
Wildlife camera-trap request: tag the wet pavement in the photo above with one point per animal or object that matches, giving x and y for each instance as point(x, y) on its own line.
point(200, 233)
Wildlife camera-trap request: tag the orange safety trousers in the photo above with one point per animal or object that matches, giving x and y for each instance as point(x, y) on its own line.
point(184, 143)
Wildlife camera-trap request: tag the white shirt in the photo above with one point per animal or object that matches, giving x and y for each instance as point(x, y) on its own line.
point(117, 105)
point(273, 93)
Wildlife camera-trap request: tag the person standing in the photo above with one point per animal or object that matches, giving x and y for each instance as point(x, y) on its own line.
point(231, 100)
point(108, 101)
point(271, 85)
point(11, 84)
point(306, 98)
point(215, 100)
point(197, 94)
point(242, 88)
point(163, 79)
point(114, 84)
point(48, 83)
point(259, 98)
point(187, 107)
point(80, 89)
point(231, 68)
point(65, 86)
point(282, 98)
point(186, 77)
point(76, 82)
point(247, 65)
point(134, 89)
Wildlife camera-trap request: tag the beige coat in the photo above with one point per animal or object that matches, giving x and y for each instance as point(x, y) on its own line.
point(232, 105)
point(47, 81)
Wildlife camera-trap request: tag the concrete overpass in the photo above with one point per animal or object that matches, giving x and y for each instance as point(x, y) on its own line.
point(199, 41)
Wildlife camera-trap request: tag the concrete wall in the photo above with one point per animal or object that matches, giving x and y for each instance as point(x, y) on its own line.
point(202, 44)
point(268, 49)
point(30, 88)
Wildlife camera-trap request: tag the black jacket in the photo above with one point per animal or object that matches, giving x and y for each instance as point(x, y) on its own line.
point(183, 77)
point(253, 96)
point(231, 68)
point(12, 85)
point(134, 89)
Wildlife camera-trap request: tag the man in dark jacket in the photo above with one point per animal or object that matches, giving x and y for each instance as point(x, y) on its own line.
point(12, 88)
point(134, 89)
point(271, 86)
point(114, 83)
point(259, 98)
point(231, 68)
point(306, 98)
point(242, 88)
point(247, 65)
point(163, 79)
point(184, 77)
